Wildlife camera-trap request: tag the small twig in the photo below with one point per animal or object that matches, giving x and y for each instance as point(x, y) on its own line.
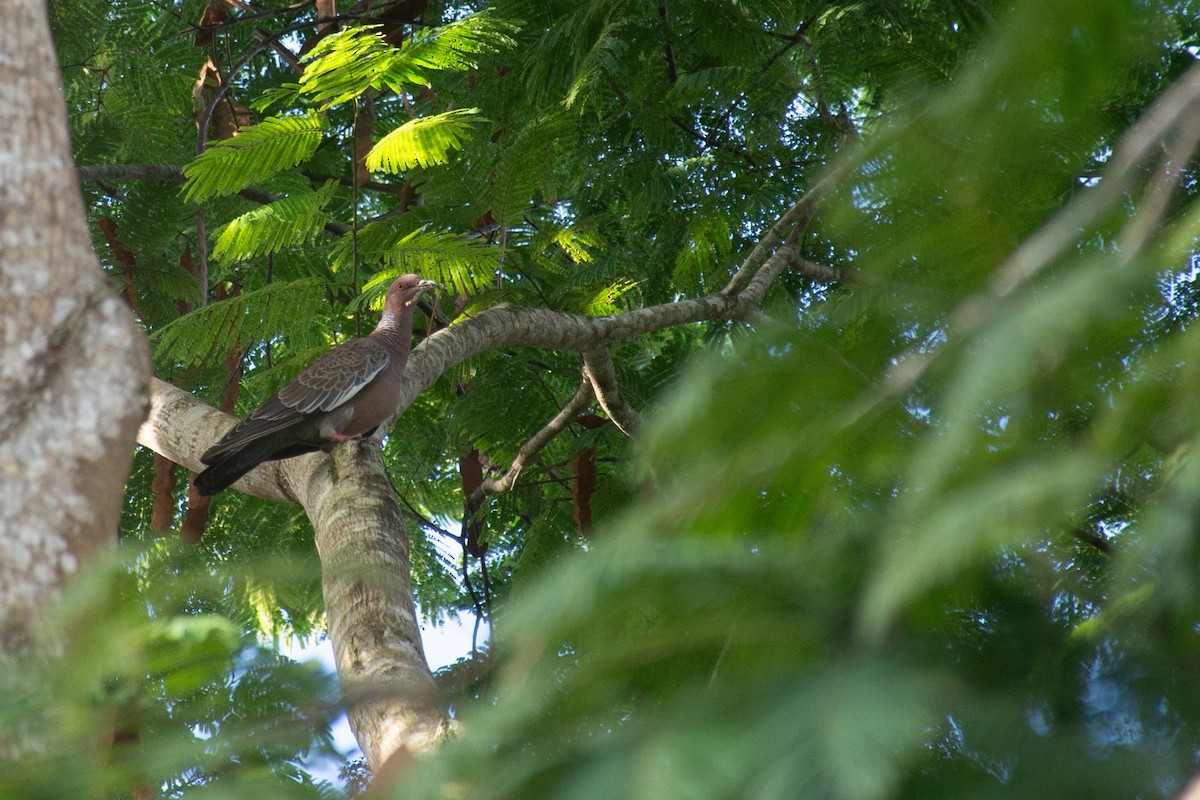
point(1158, 194)
point(1095, 540)
point(668, 50)
point(416, 516)
point(1131, 149)
point(130, 172)
point(202, 256)
point(712, 678)
point(790, 41)
point(100, 173)
point(475, 601)
point(206, 117)
point(280, 49)
point(710, 140)
point(487, 597)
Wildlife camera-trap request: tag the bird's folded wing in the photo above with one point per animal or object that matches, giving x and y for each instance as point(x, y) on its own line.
point(271, 417)
point(322, 386)
point(335, 377)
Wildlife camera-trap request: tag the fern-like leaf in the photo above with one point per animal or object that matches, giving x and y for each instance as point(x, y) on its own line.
point(422, 142)
point(256, 153)
point(520, 172)
point(214, 331)
point(607, 300)
point(276, 226)
point(344, 65)
point(454, 47)
point(285, 95)
point(577, 242)
point(708, 247)
point(450, 260)
point(604, 58)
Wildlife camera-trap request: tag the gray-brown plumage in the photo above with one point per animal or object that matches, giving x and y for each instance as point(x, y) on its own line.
point(345, 394)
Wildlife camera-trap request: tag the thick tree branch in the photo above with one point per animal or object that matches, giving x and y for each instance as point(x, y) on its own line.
point(180, 425)
point(599, 371)
point(821, 273)
point(73, 364)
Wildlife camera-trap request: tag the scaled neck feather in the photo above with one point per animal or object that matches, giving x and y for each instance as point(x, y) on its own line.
point(395, 324)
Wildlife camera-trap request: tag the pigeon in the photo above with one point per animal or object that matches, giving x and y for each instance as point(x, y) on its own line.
point(345, 394)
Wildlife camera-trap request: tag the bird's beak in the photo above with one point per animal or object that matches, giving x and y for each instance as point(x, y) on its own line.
point(424, 284)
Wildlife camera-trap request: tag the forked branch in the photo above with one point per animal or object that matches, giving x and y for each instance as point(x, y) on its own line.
point(599, 371)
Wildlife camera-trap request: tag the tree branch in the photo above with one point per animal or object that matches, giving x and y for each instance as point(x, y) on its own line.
point(359, 531)
point(796, 217)
point(130, 172)
point(562, 419)
point(1131, 150)
point(598, 371)
point(821, 273)
point(101, 173)
point(194, 426)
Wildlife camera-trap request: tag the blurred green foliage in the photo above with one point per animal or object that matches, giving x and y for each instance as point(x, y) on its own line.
point(928, 532)
point(161, 692)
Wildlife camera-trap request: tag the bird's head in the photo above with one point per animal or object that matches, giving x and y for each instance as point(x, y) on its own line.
point(407, 288)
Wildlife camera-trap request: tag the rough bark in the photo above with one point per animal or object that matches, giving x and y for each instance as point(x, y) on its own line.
point(73, 366)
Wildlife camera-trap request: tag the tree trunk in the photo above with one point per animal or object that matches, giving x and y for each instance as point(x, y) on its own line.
point(73, 365)
point(394, 706)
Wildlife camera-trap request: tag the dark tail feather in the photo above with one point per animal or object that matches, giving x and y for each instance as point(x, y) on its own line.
point(233, 464)
point(229, 467)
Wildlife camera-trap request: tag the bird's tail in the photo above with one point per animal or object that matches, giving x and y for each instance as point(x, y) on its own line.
point(229, 466)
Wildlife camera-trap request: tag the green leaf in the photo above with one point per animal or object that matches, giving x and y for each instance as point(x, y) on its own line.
point(344, 65)
point(276, 226)
point(286, 94)
point(422, 142)
point(708, 246)
point(255, 154)
point(519, 173)
point(450, 260)
point(604, 58)
point(606, 301)
point(213, 331)
point(576, 242)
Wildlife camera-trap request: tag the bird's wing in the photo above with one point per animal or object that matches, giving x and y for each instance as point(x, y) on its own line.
point(335, 377)
point(331, 380)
